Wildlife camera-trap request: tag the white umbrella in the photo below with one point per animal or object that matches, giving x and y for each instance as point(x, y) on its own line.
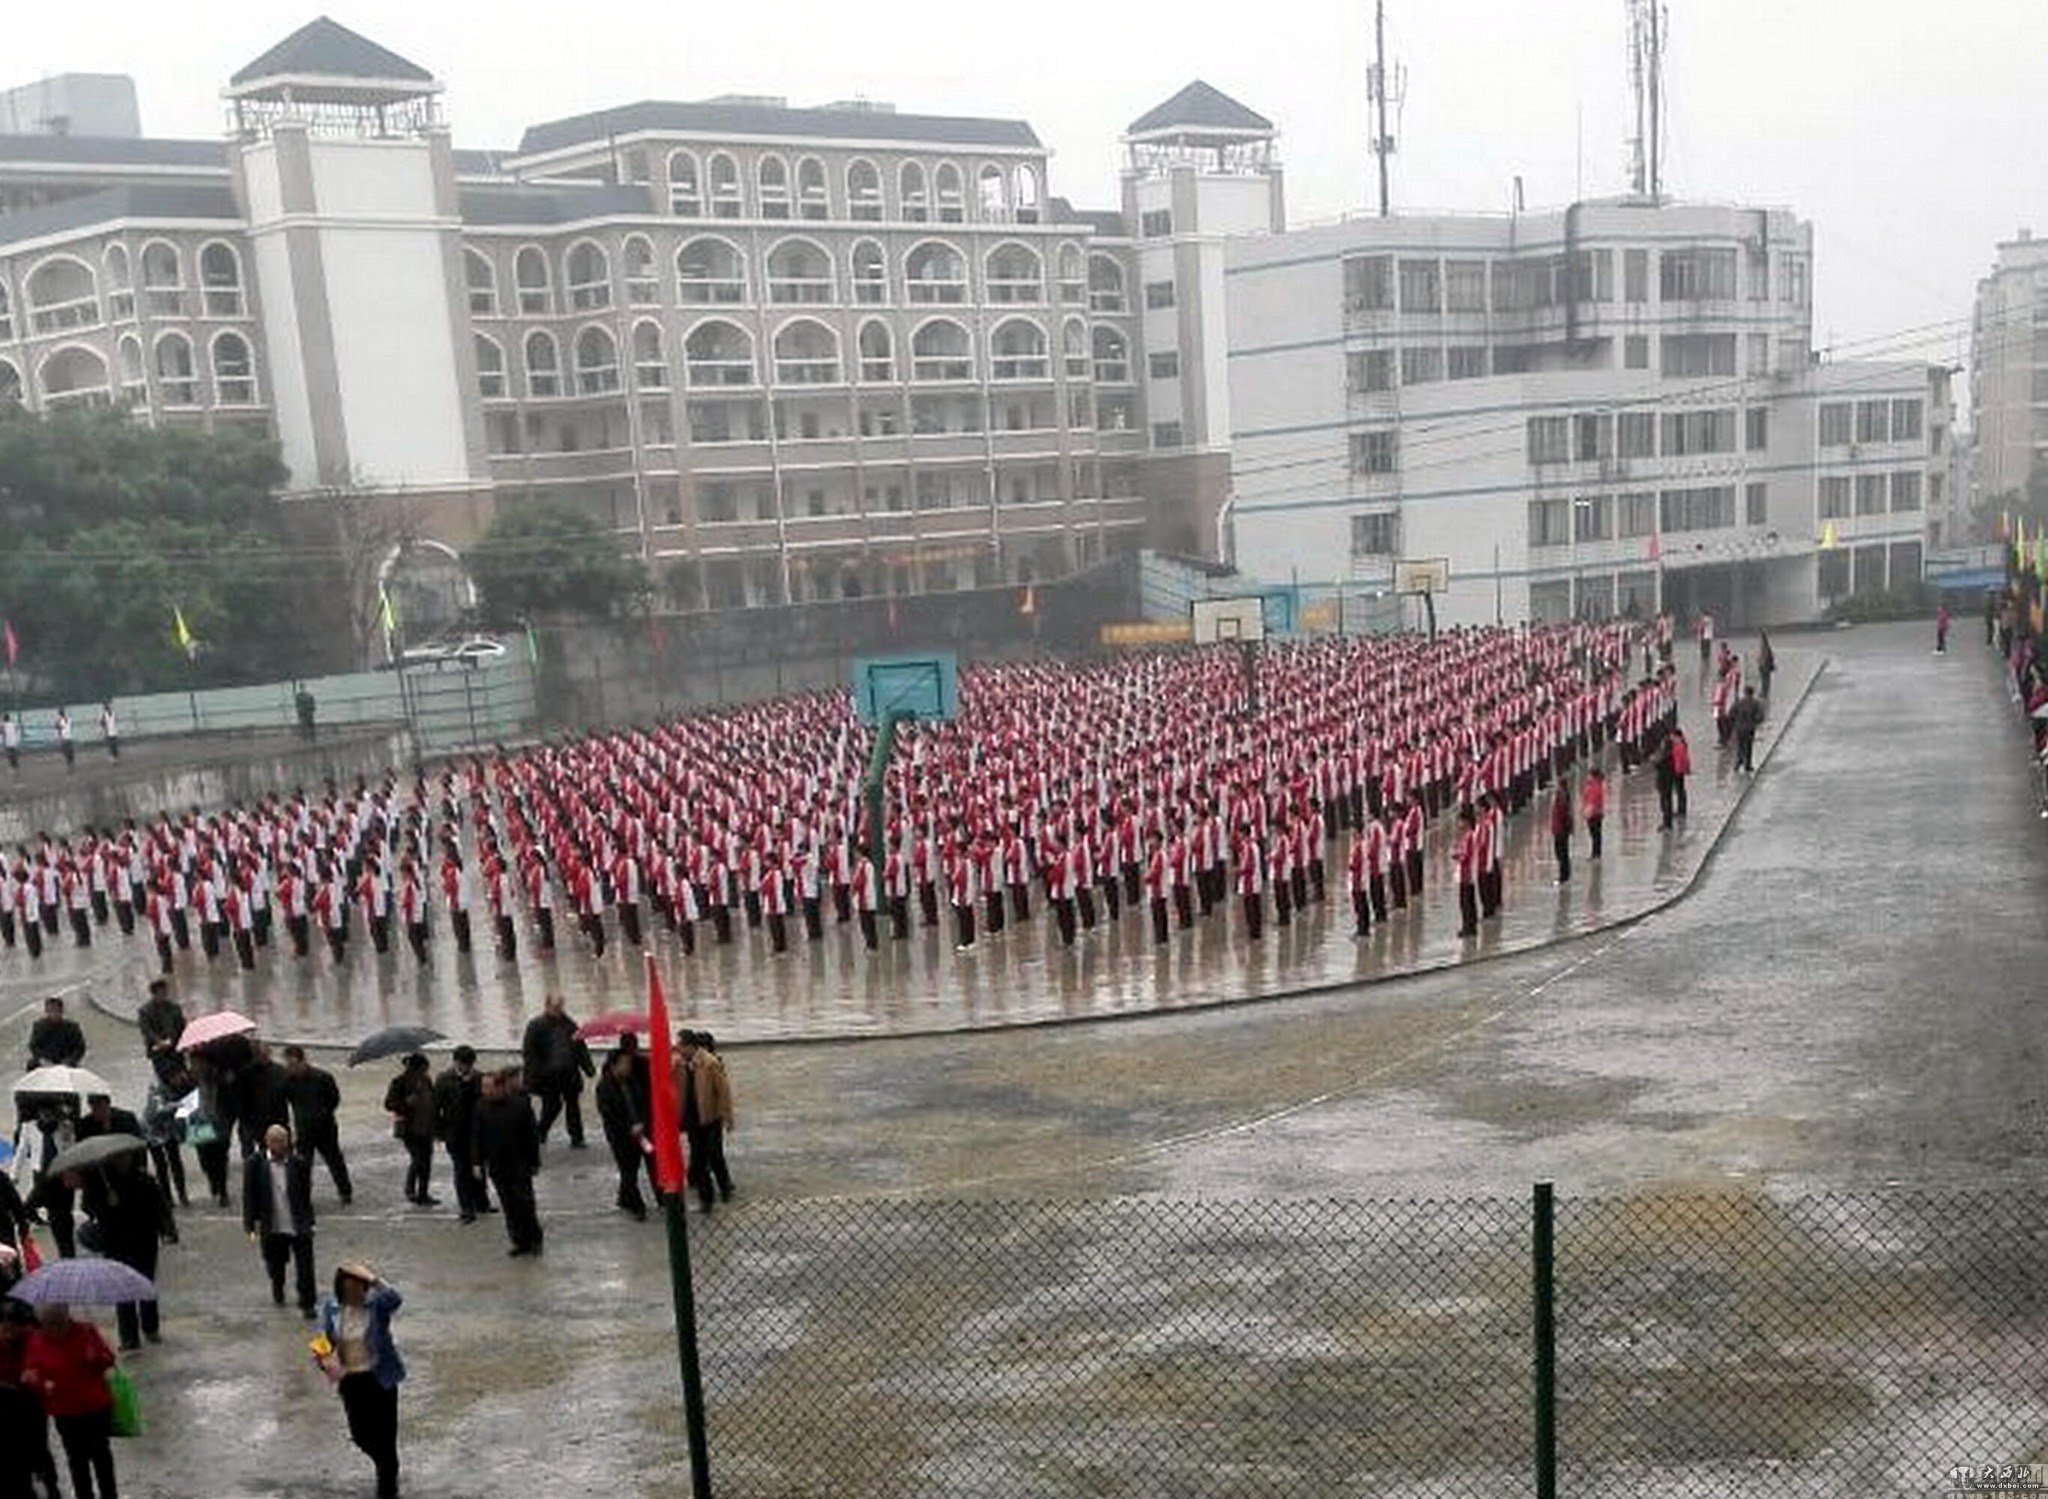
point(2040, 712)
point(60, 1080)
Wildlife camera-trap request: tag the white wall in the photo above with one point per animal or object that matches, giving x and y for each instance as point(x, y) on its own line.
point(283, 357)
point(372, 179)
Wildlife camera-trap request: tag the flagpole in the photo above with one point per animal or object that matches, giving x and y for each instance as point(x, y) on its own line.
point(671, 1186)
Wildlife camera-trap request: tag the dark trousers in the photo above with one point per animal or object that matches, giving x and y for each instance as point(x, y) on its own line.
point(25, 1437)
point(778, 931)
point(515, 1201)
point(301, 931)
point(899, 917)
point(1593, 827)
point(1745, 749)
point(169, 1162)
point(629, 1158)
point(1561, 845)
point(629, 921)
point(928, 902)
point(1159, 925)
point(1377, 886)
point(245, 949)
point(1489, 892)
point(1183, 907)
point(1254, 916)
point(472, 1196)
point(458, 926)
point(134, 1318)
point(1664, 800)
point(88, 1448)
point(380, 933)
point(372, 1413)
point(707, 1162)
point(1361, 909)
point(1468, 909)
point(557, 1101)
point(321, 1138)
point(1084, 901)
point(867, 929)
point(1063, 918)
point(992, 910)
point(81, 926)
point(814, 918)
point(419, 1168)
point(963, 925)
point(297, 1250)
point(544, 922)
point(508, 939)
point(416, 938)
point(213, 1161)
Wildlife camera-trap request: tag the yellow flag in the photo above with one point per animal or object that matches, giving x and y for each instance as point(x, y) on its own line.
point(179, 632)
point(386, 614)
point(1828, 540)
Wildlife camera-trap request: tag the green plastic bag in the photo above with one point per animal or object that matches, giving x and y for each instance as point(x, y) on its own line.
point(127, 1404)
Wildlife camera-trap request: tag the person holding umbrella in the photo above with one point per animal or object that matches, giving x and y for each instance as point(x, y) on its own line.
point(277, 1207)
point(410, 1103)
point(48, 1125)
point(132, 1217)
point(65, 1365)
point(355, 1323)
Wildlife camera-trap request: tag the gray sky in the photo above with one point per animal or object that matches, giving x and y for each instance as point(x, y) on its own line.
point(1908, 133)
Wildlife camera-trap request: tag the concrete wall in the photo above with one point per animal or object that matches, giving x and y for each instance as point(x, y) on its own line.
point(221, 769)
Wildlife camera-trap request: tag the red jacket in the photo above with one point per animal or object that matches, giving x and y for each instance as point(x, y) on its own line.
point(68, 1369)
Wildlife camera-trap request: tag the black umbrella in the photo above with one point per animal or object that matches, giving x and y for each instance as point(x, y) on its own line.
point(95, 1150)
point(393, 1041)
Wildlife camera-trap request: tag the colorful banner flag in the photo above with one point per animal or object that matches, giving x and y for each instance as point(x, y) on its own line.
point(665, 1106)
point(386, 615)
point(1028, 604)
point(11, 643)
point(1828, 539)
point(1653, 548)
point(182, 633)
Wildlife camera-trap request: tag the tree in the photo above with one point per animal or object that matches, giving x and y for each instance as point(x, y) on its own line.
point(541, 560)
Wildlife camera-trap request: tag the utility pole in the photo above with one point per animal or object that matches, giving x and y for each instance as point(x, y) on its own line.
point(1380, 86)
point(1656, 71)
point(1646, 81)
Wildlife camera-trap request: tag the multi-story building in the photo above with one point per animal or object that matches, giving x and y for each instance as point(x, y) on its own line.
point(1882, 435)
point(2009, 369)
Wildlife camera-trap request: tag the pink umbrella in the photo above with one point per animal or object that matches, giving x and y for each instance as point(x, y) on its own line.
point(617, 1023)
point(216, 1027)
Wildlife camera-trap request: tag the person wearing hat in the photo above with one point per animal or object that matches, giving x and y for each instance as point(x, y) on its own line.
point(355, 1323)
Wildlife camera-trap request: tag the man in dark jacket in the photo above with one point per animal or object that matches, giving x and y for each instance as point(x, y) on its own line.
point(102, 1118)
point(261, 1100)
point(54, 1041)
point(557, 1061)
point(132, 1216)
point(625, 1127)
point(1747, 718)
point(277, 1205)
point(314, 1097)
point(508, 1144)
point(456, 1094)
point(162, 1021)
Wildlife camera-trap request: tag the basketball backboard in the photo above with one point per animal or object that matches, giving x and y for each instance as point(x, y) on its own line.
point(1422, 575)
point(1242, 618)
point(922, 685)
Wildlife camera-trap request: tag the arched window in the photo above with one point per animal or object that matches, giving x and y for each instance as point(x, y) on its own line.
point(952, 200)
point(1017, 352)
point(718, 353)
point(806, 353)
point(177, 376)
point(771, 187)
point(490, 369)
point(643, 281)
point(864, 192)
point(813, 201)
point(941, 350)
point(6, 317)
point(1015, 274)
point(74, 375)
point(1024, 193)
point(991, 195)
point(163, 279)
point(543, 366)
point(63, 293)
point(483, 283)
point(234, 371)
point(10, 385)
point(1105, 284)
point(913, 201)
point(1074, 348)
point(685, 192)
point(220, 280)
point(870, 274)
point(877, 352)
point(134, 379)
point(1073, 276)
point(536, 291)
point(799, 271)
point(590, 277)
point(650, 360)
point(725, 187)
point(1112, 357)
point(710, 272)
point(597, 362)
point(120, 289)
point(934, 272)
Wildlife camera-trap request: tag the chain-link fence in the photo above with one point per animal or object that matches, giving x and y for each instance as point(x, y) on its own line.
point(1704, 1346)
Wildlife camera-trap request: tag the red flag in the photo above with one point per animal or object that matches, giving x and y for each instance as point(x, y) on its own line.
point(11, 642)
point(1653, 551)
point(1029, 603)
point(666, 1109)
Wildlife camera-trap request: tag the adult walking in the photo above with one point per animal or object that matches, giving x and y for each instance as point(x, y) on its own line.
point(456, 1094)
point(24, 1424)
point(1561, 821)
point(315, 1097)
point(162, 1021)
point(410, 1103)
point(356, 1321)
point(706, 1093)
point(1942, 620)
point(54, 1040)
point(1766, 662)
point(277, 1209)
point(1746, 717)
point(132, 1217)
point(65, 1365)
point(557, 1061)
point(625, 1127)
point(1593, 804)
point(508, 1144)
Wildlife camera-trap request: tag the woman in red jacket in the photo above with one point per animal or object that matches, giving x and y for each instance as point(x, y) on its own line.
point(1561, 828)
point(1593, 802)
point(65, 1366)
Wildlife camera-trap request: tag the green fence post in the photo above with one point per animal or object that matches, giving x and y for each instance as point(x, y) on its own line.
point(1545, 1343)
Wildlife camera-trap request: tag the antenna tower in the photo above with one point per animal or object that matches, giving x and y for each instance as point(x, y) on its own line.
point(1648, 26)
point(1383, 87)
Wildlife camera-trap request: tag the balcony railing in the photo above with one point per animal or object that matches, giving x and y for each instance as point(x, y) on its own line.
point(1105, 300)
point(597, 380)
point(942, 367)
point(807, 371)
point(872, 292)
point(788, 289)
point(879, 371)
point(590, 295)
point(711, 291)
point(719, 371)
point(222, 301)
point(1112, 372)
point(1022, 367)
point(164, 301)
point(57, 317)
point(1016, 289)
point(932, 290)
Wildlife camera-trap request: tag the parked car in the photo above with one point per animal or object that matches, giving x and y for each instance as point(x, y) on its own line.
point(470, 650)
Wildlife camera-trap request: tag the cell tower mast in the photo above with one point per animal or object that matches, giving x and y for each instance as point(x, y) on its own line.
point(1382, 87)
point(1648, 23)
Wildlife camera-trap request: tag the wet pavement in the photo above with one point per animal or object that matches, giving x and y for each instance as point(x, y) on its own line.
point(1846, 997)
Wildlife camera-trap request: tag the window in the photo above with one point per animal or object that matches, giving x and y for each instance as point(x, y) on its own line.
point(799, 272)
point(1550, 439)
point(530, 272)
point(597, 362)
point(870, 274)
point(1073, 277)
point(1368, 283)
point(718, 353)
point(812, 202)
point(912, 201)
point(121, 299)
point(1373, 452)
point(1797, 279)
point(220, 281)
point(163, 280)
point(941, 350)
point(1422, 288)
point(1422, 366)
point(6, 318)
point(1759, 346)
point(1376, 535)
point(1024, 194)
point(1166, 435)
point(1835, 496)
point(490, 368)
point(709, 272)
point(863, 192)
point(1905, 490)
point(74, 375)
point(1873, 421)
point(1158, 294)
point(1870, 490)
point(806, 353)
point(590, 277)
point(1637, 434)
point(1105, 284)
point(1756, 504)
point(952, 199)
point(1164, 366)
point(1759, 272)
point(1686, 433)
point(483, 284)
point(1017, 351)
point(543, 370)
point(877, 352)
point(934, 272)
point(1549, 523)
point(1696, 275)
point(1637, 515)
point(63, 293)
point(992, 195)
point(1015, 275)
point(1464, 286)
point(685, 192)
point(1905, 421)
point(1112, 357)
point(725, 187)
point(234, 371)
point(1635, 351)
point(1691, 355)
point(1592, 437)
point(177, 380)
point(1635, 275)
point(1835, 424)
point(1756, 429)
point(1592, 276)
point(1155, 223)
point(1593, 518)
point(643, 282)
point(1706, 509)
point(771, 187)
point(1074, 351)
point(650, 360)
point(1466, 362)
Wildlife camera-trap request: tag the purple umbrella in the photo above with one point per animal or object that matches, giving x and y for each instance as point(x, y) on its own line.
point(87, 1282)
